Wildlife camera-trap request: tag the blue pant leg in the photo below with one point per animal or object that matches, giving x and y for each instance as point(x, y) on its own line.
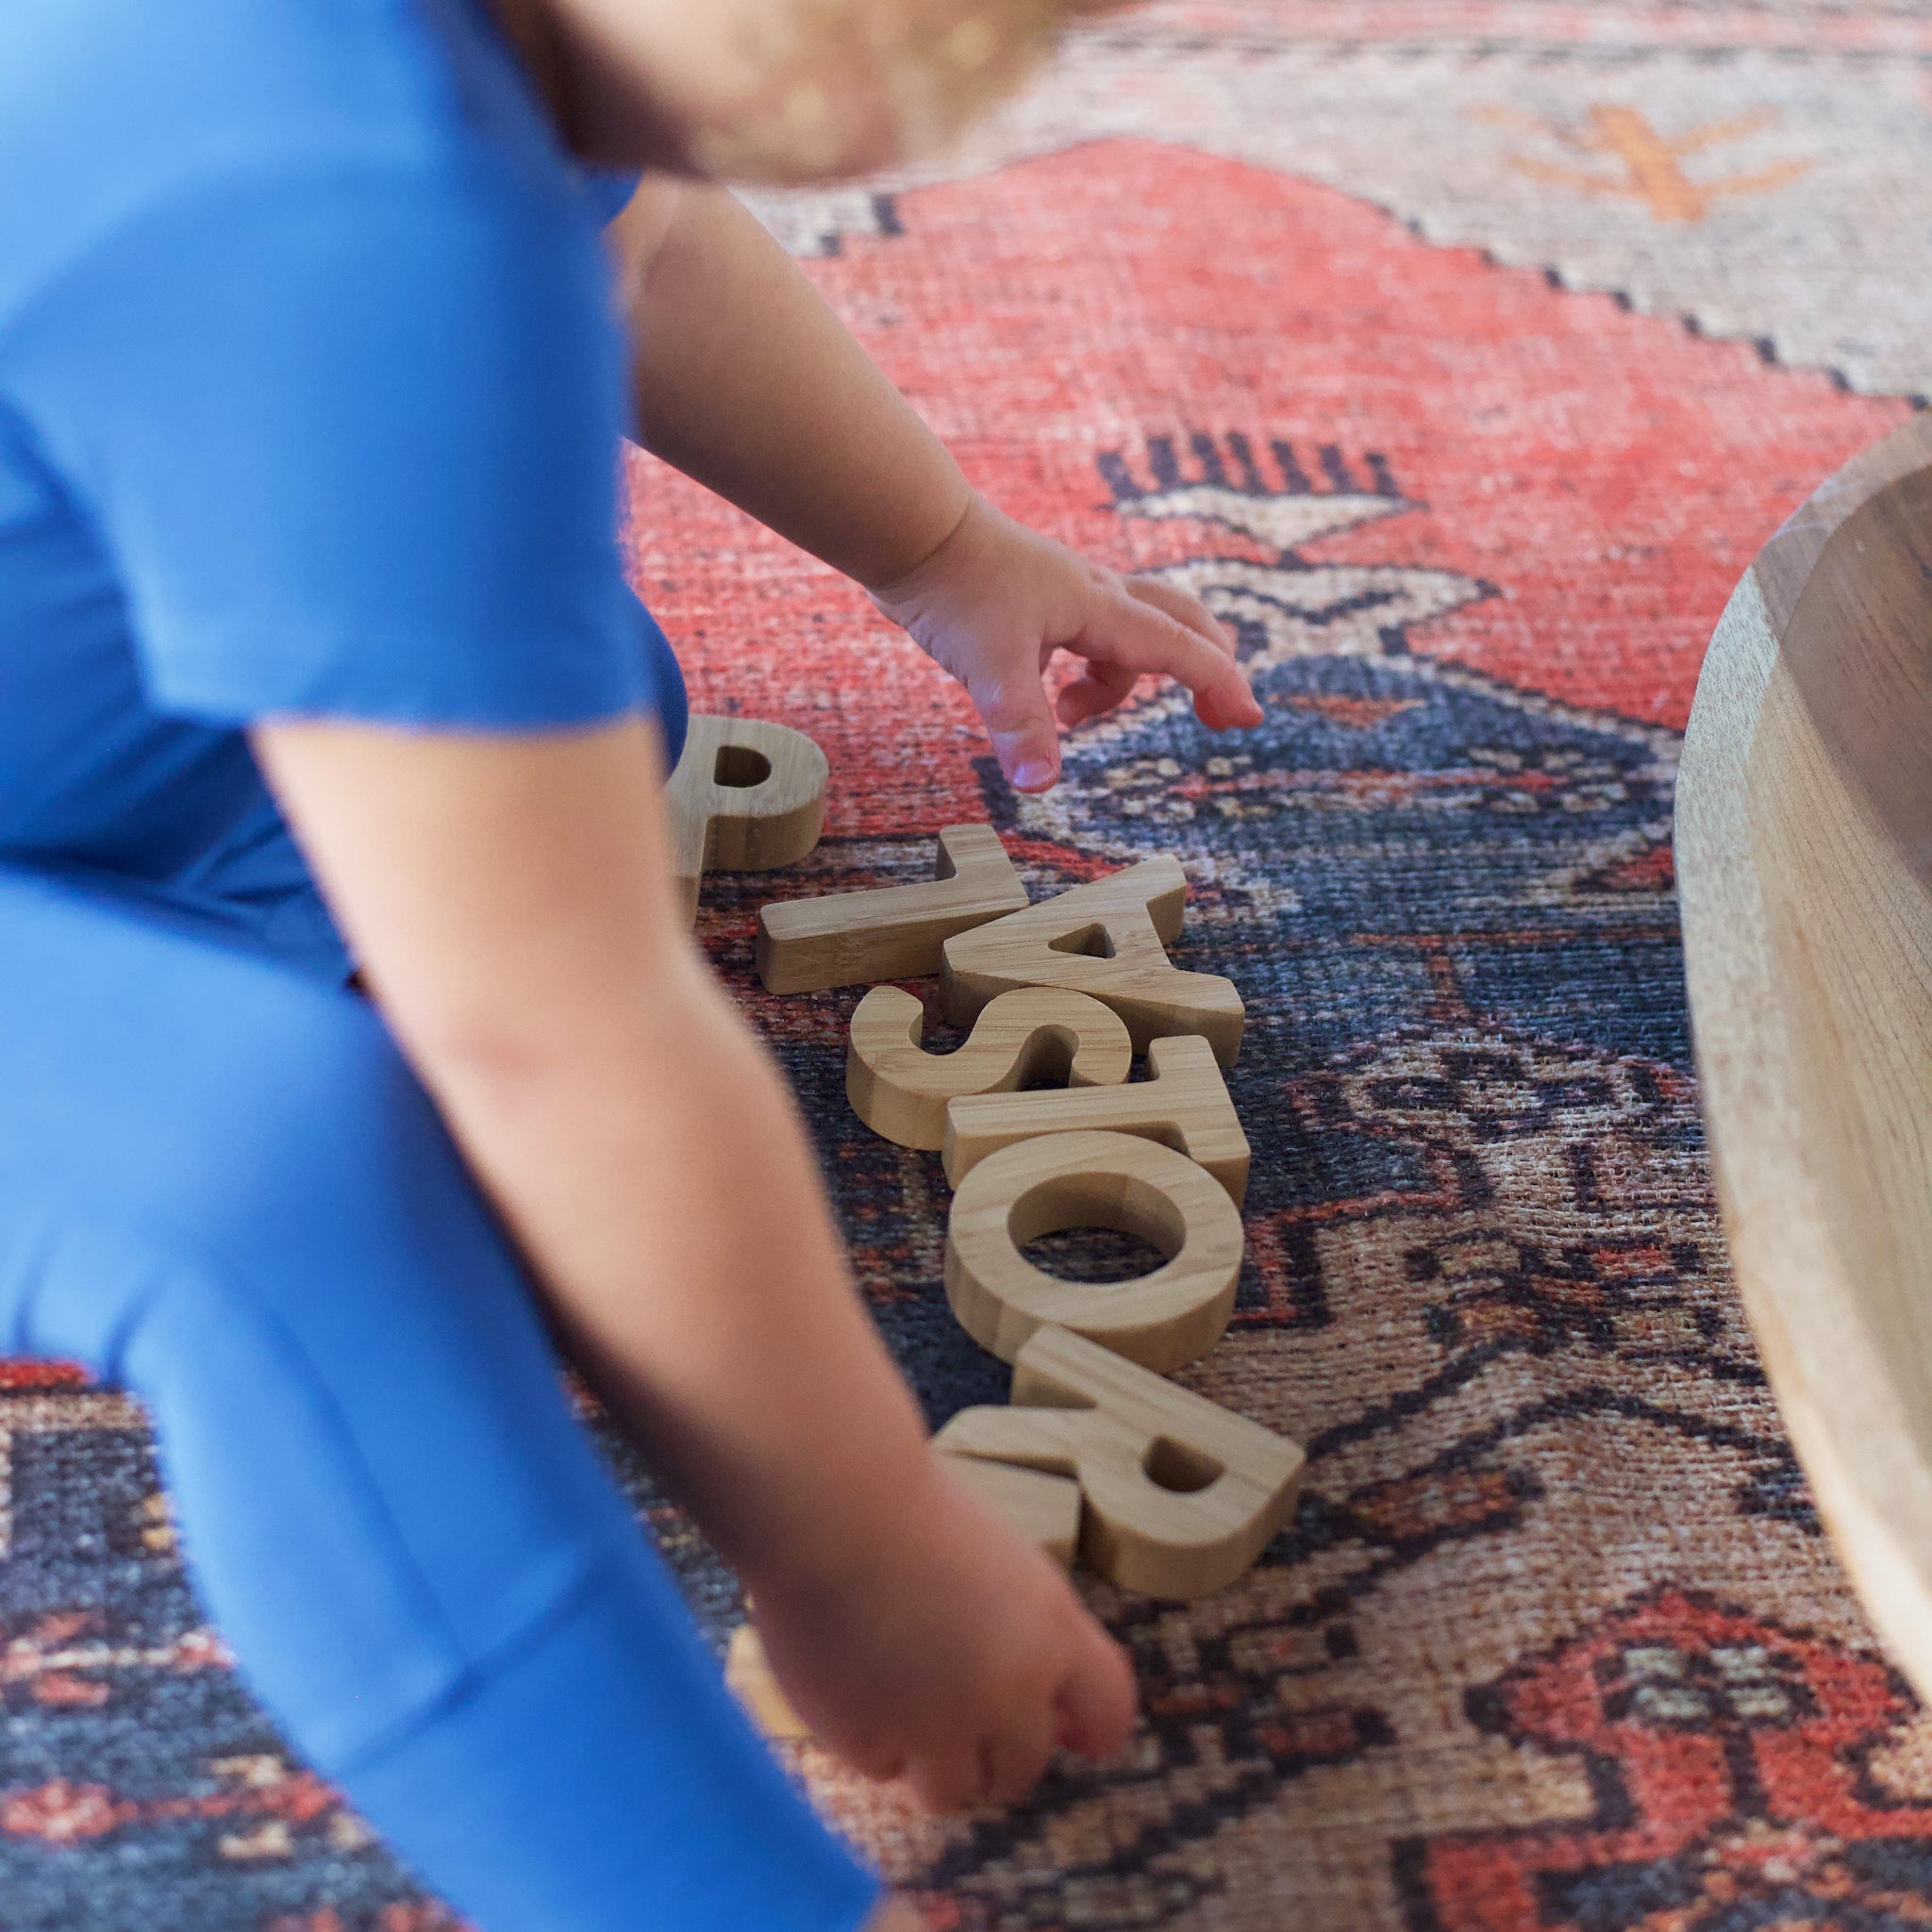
point(222, 1189)
point(667, 683)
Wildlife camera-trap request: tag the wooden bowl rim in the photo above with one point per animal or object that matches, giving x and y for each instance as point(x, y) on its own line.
point(1866, 1451)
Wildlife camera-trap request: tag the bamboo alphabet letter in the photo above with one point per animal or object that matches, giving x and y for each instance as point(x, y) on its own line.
point(1038, 1033)
point(749, 1677)
point(1183, 1104)
point(1109, 939)
point(1179, 1496)
point(747, 795)
point(805, 945)
point(1095, 1180)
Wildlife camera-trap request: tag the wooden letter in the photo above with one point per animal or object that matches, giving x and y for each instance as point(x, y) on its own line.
point(1042, 1509)
point(1039, 1033)
point(1095, 1180)
point(1180, 1495)
point(748, 1677)
point(805, 945)
point(747, 795)
point(1109, 939)
point(1183, 1104)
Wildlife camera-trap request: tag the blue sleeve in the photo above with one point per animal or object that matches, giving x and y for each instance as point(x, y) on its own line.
point(350, 436)
point(610, 189)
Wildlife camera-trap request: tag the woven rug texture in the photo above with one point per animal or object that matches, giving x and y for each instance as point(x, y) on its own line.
point(1461, 355)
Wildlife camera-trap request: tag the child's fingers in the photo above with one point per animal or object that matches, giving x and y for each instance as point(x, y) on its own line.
point(1098, 1699)
point(882, 1764)
point(1184, 607)
point(950, 1780)
point(1104, 686)
point(1020, 720)
point(1098, 688)
point(1130, 632)
point(1014, 1757)
point(870, 1751)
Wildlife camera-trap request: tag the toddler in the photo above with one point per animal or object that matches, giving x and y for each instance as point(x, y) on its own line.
point(317, 663)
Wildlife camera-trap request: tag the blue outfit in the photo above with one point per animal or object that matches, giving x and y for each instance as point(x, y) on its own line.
point(310, 398)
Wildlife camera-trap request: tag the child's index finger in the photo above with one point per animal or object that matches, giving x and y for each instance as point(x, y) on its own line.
point(1185, 608)
point(1136, 635)
point(1133, 633)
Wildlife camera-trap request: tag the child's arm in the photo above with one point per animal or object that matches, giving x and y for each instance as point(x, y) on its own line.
point(509, 898)
point(746, 381)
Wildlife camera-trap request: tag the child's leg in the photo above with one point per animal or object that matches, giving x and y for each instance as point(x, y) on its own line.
point(221, 1188)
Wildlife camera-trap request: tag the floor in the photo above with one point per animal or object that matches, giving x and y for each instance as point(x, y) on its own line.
point(1461, 355)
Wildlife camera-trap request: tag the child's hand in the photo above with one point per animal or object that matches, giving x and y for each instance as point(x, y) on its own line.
point(995, 601)
point(957, 1656)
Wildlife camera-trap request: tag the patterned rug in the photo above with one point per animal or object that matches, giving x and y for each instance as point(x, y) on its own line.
point(1461, 354)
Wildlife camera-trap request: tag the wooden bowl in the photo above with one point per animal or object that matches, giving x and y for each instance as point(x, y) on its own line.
point(1804, 841)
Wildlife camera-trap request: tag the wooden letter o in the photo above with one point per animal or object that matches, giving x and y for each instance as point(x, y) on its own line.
point(1121, 1181)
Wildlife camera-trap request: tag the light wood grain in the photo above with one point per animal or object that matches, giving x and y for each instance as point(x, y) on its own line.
point(1803, 844)
point(1184, 1104)
point(748, 795)
point(749, 1677)
point(844, 939)
point(1038, 1033)
point(1042, 1508)
point(1054, 1181)
point(1107, 938)
point(1180, 1496)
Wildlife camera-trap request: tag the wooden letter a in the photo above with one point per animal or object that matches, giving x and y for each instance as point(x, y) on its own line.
point(1106, 939)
